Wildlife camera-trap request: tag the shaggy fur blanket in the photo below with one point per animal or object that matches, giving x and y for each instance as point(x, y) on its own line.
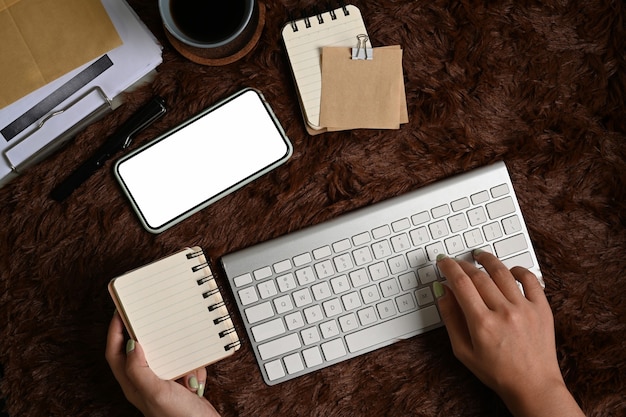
point(538, 84)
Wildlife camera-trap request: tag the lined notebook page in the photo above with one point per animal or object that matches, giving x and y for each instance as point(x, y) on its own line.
point(304, 49)
point(167, 313)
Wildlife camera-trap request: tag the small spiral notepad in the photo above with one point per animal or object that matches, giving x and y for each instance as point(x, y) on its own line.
point(304, 39)
point(174, 309)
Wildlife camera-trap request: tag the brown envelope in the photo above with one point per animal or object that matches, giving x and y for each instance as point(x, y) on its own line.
point(43, 40)
point(362, 93)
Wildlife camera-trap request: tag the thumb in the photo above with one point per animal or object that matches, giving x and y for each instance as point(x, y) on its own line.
point(137, 368)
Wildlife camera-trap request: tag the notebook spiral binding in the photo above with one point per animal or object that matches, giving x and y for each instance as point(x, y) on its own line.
point(330, 9)
point(208, 294)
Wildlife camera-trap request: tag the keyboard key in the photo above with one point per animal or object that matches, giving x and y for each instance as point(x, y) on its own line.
point(416, 258)
point(324, 269)
point(476, 216)
point(523, 259)
point(457, 223)
point(381, 232)
point(322, 252)
point(333, 349)
point(440, 211)
point(378, 271)
point(313, 314)
point(419, 236)
point(348, 322)
point(510, 246)
point(370, 294)
point(312, 357)
point(362, 256)
point(500, 190)
point(343, 263)
point(367, 316)
point(381, 249)
point(408, 281)
point(242, 280)
point(351, 301)
point(400, 225)
point(427, 274)
point(305, 275)
point(262, 273)
point(511, 225)
point(473, 238)
point(460, 204)
point(259, 312)
point(500, 208)
point(394, 329)
point(282, 266)
point(310, 336)
point(361, 239)
point(280, 346)
point(267, 289)
point(274, 370)
point(434, 250)
point(400, 243)
point(405, 303)
point(340, 284)
point(302, 259)
point(454, 245)
point(358, 278)
point(332, 307)
point(480, 197)
point(438, 229)
point(329, 329)
point(294, 320)
point(386, 309)
point(248, 296)
point(283, 304)
point(293, 363)
point(321, 291)
point(342, 246)
point(286, 282)
point(268, 330)
point(424, 296)
point(302, 297)
point(492, 231)
point(398, 264)
point(389, 288)
point(420, 218)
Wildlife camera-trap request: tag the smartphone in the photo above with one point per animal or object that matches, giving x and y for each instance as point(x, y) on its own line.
point(204, 159)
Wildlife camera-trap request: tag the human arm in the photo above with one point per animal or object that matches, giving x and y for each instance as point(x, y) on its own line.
point(506, 338)
point(154, 397)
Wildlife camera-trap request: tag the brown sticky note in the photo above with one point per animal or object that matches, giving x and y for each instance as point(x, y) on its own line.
point(362, 93)
point(42, 40)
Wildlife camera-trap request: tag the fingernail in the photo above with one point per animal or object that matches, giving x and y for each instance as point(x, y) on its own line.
point(193, 382)
point(200, 390)
point(130, 346)
point(438, 289)
point(441, 257)
point(477, 252)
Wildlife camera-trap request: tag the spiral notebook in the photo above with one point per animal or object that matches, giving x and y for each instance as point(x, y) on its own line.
point(304, 39)
point(174, 309)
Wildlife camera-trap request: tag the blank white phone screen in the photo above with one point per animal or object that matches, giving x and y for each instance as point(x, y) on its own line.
point(220, 150)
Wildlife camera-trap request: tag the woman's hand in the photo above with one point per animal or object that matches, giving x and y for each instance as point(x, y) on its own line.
point(505, 337)
point(151, 395)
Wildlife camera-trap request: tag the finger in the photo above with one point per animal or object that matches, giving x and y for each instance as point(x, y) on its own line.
point(455, 323)
point(487, 288)
point(532, 288)
point(201, 374)
point(463, 287)
point(137, 369)
point(114, 352)
point(499, 273)
point(190, 381)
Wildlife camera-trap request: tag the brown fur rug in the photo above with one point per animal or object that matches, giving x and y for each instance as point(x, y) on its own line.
point(540, 85)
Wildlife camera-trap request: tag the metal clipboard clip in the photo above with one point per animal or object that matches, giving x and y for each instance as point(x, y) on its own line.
point(18, 158)
point(362, 52)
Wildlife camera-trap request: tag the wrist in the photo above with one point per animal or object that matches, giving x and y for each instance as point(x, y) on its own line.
point(552, 399)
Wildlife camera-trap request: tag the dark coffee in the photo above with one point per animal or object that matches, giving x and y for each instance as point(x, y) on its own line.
point(208, 21)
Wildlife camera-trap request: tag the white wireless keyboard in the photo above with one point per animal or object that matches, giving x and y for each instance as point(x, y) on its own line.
point(361, 281)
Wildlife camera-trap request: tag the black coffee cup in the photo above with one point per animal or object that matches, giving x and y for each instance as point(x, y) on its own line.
point(219, 28)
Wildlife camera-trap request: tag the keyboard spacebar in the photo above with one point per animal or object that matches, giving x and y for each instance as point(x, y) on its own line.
point(393, 329)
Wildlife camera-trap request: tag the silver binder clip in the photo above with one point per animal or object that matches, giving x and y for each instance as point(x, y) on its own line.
point(362, 51)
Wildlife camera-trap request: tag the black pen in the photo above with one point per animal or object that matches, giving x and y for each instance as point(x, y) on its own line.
point(121, 139)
